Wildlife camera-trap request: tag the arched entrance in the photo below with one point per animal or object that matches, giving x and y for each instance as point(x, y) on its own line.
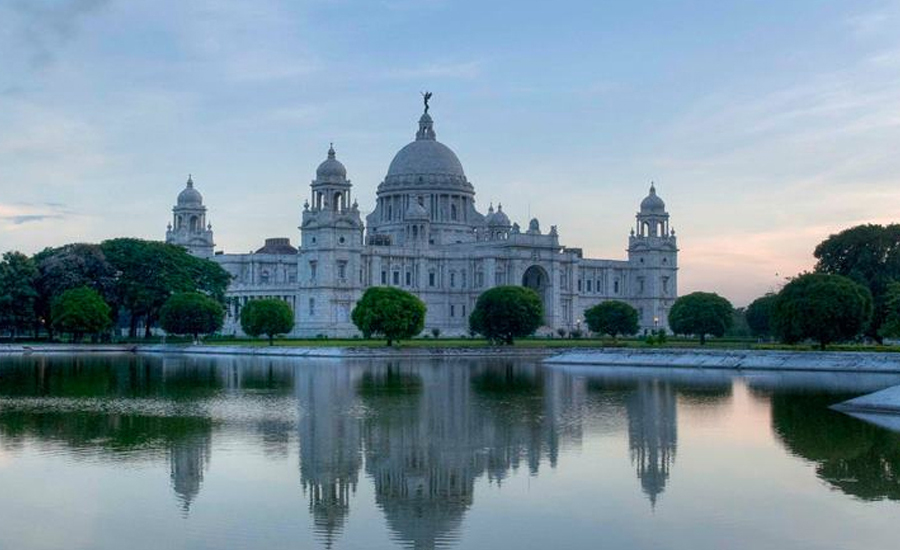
point(537, 279)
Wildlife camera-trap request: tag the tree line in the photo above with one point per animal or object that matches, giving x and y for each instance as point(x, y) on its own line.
point(80, 289)
point(84, 289)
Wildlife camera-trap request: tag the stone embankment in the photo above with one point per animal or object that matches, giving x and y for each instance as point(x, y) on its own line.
point(733, 359)
point(335, 352)
point(886, 401)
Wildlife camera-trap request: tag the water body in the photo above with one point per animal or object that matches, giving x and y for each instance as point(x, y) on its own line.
point(111, 452)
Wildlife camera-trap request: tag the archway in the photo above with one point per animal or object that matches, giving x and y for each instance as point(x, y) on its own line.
point(537, 279)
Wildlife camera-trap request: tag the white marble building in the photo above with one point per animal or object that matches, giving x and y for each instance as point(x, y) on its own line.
point(427, 236)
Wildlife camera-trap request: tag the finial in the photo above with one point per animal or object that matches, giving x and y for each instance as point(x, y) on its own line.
point(652, 187)
point(491, 208)
point(499, 207)
point(190, 181)
point(331, 150)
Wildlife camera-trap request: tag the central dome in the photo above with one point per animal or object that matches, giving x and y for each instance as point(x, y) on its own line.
point(426, 164)
point(425, 157)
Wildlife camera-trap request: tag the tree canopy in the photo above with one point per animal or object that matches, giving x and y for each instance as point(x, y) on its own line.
point(759, 315)
point(67, 267)
point(18, 296)
point(389, 312)
point(701, 314)
point(891, 326)
point(149, 272)
point(191, 313)
point(80, 311)
point(612, 317)
point(504, 313)
point(823, 308)
point(868, 254)
point(269, 316)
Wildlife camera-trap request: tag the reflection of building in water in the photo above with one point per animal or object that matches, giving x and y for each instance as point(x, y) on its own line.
point(330, 457)
point(188, 460)
point(652, 434)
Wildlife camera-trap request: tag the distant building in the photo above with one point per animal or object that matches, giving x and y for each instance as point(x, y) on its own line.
point(427, 236)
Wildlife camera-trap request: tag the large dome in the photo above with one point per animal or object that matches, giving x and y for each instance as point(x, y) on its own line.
point(426, 164)
point(425, 157)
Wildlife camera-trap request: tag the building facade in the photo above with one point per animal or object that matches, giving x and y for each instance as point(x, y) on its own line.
point(426, 236)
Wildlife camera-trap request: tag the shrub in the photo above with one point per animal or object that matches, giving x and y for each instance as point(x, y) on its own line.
point(268, 316)
point(506, 312)
point(80, 311)
point(701, 313)
point(389, 312)
point(823, 308)
point(191, 313)
point(613, 318)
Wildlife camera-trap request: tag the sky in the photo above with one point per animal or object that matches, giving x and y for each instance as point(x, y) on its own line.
point(766, 125)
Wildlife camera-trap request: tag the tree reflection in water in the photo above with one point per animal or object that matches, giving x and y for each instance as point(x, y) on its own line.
point(423, 432)
point(858, 458)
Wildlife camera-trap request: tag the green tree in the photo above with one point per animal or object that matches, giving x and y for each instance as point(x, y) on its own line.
point(759, 315)
point(389, 312)
point(612, 317)
point(191, 313)
point(503, 313)
point(270, 317)
point(823, 308)
point(868, 254)
point(80, 311)
point(18, 295)
point(701, 313)
point(891, 326)
point(67, 267)
point(149, 272)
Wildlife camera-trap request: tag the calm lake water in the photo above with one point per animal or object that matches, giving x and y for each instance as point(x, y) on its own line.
point(125, 452)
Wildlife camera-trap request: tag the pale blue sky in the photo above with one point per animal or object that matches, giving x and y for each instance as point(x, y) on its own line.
point(767, 125)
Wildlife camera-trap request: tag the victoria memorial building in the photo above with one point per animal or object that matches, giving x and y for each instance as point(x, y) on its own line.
point(427, 236)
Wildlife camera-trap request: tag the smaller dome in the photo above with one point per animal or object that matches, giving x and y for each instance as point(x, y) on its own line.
point(331, 169)
point(498, 218)
point(652, 203)
point(416, 211)
point(190, 196)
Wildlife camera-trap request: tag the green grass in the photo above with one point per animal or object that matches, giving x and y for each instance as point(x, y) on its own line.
point(524, 343)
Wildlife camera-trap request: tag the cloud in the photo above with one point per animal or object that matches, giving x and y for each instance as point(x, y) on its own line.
point(17, 214)
point(47, 26)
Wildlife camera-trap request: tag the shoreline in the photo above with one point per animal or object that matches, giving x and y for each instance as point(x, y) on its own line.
point(691, 358)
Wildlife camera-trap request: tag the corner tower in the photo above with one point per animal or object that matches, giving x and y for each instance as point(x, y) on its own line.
point(188, 227)
point(330, 259)
point(653, 255)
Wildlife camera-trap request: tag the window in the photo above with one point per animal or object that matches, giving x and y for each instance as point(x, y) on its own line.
point(463, 311)
point(431, 278)
point(312, 307)
point(463, 278)
point(616, 287)
point(384, 277)
point(342, 270)
point(665, 285)
point(579, 285)
point(264, 277)
point(313, 270)
point(640, 285)
point(452, 279)
point(342, 240)
point(396, 278)
point(599, 287)
point(453, 212)
point(589, 285)
point(452, 310)
point(408, 278)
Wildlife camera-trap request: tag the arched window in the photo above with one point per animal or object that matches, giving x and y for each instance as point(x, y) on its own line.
point(338, 201)
point(660, 228)
point(645, 229)
point(453, 212)
point(195, 224)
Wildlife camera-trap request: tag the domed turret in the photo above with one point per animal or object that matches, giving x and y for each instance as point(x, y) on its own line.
point(652, 203)
point(498, 218)
point(331, 169)
point(190, 196)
